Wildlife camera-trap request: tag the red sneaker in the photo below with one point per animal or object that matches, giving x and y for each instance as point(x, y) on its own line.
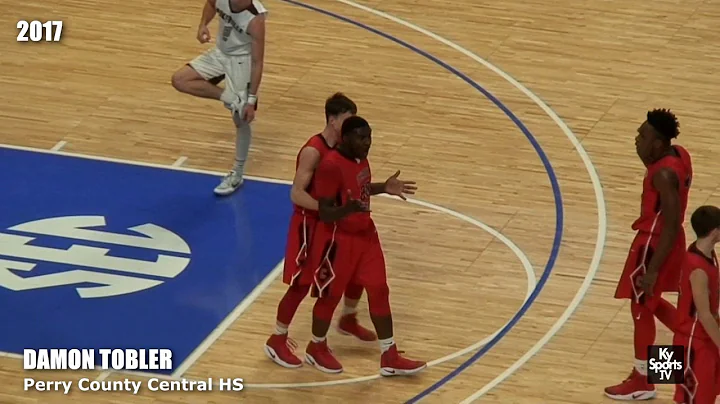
point(635, 387)
point(392, 364)
point(280, 349)
point(319, 355)
point(349, 325)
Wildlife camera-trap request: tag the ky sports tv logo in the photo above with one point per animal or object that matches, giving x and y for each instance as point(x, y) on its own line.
point(666, 364)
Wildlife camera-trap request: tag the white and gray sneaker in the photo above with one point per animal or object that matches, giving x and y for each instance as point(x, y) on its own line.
point(229, 184)
point(233, 102)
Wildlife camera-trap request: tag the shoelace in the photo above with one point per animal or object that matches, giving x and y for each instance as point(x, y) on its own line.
point(291, 344)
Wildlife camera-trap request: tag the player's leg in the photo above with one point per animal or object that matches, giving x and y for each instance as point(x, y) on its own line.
point(330, 279)
point(635, 386)
point(348, 323)
point(278, 347)
point(235, 97)
point(200, 76)
point(318, 352)
point(669, 281)
point(372, 275)
point(666, 313)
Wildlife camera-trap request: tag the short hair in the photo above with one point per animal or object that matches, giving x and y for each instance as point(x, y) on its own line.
point(705, 219)
point(338, 104)
point(664, 122)
point(353, 123)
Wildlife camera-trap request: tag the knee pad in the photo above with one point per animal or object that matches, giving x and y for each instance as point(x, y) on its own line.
point(379, 300)
point(325, 307)
point(354, 291)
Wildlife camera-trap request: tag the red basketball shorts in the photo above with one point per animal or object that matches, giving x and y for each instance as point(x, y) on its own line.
point(297, 249)
point(340, 258)
point(702, 371)
point(641, 252)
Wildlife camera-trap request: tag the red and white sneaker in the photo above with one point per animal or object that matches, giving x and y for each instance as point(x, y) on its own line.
point(392, 364)
point(349, 325)
point(279, 348)
point(319, 355)
point(635, 387)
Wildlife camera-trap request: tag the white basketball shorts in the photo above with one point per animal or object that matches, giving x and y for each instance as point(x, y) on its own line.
point(213, 64)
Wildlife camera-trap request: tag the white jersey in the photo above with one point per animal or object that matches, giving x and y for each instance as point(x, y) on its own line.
point(232, 38)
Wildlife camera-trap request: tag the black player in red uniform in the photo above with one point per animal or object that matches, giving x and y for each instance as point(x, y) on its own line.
point(302, 225)
point(346, 248)
point(697, 312)
point(653, 263)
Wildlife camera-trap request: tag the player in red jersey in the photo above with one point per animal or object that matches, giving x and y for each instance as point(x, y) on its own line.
point(697, 312)
point(302, 224)
point(346, 248)
point(653, 263)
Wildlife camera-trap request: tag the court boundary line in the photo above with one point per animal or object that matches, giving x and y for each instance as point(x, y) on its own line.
point(272, 276)
point(589, 166)
point(223, 326)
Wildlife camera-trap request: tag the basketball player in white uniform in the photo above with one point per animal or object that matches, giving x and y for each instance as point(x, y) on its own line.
point(238, 58)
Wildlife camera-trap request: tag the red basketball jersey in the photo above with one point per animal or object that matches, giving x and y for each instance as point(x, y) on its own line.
point(687, 321)
point(318, 143)
point(341, 177)
point(651, 220)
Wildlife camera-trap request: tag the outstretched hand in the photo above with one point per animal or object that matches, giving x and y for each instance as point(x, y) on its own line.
point(398, 187)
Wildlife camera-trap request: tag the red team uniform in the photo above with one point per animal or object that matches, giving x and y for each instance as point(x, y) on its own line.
point(302, 222)
point(347, 251)
point(702, 360)
point(649, 226)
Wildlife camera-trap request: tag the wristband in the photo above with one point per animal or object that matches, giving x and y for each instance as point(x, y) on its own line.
point(252, 99)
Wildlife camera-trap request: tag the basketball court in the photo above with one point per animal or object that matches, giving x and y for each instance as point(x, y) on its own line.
point(515, 118)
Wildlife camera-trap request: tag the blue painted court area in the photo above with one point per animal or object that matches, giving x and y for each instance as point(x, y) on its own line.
point(97, 254)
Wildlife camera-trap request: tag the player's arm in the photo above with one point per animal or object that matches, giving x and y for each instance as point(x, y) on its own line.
point(208, 13)
point(328, 185)
point(701, 299)
point(329, 211)
point(667, 184)
point(307, 162)
point(256, 29)
point(377, 188)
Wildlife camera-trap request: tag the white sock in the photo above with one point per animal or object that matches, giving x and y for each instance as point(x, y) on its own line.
point(281, 329)
point(386, 344)
point(641, 366)
point(348, 310)
point(317, 339)
point(242, 147)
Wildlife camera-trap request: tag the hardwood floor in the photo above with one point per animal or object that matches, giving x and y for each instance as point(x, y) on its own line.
point(483, 147)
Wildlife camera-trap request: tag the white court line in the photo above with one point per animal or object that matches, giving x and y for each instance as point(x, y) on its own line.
point(180, 161)
point(59, 145)
point(597, 187)
point(531, 280)
point(249, 299)
point(221, 328)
